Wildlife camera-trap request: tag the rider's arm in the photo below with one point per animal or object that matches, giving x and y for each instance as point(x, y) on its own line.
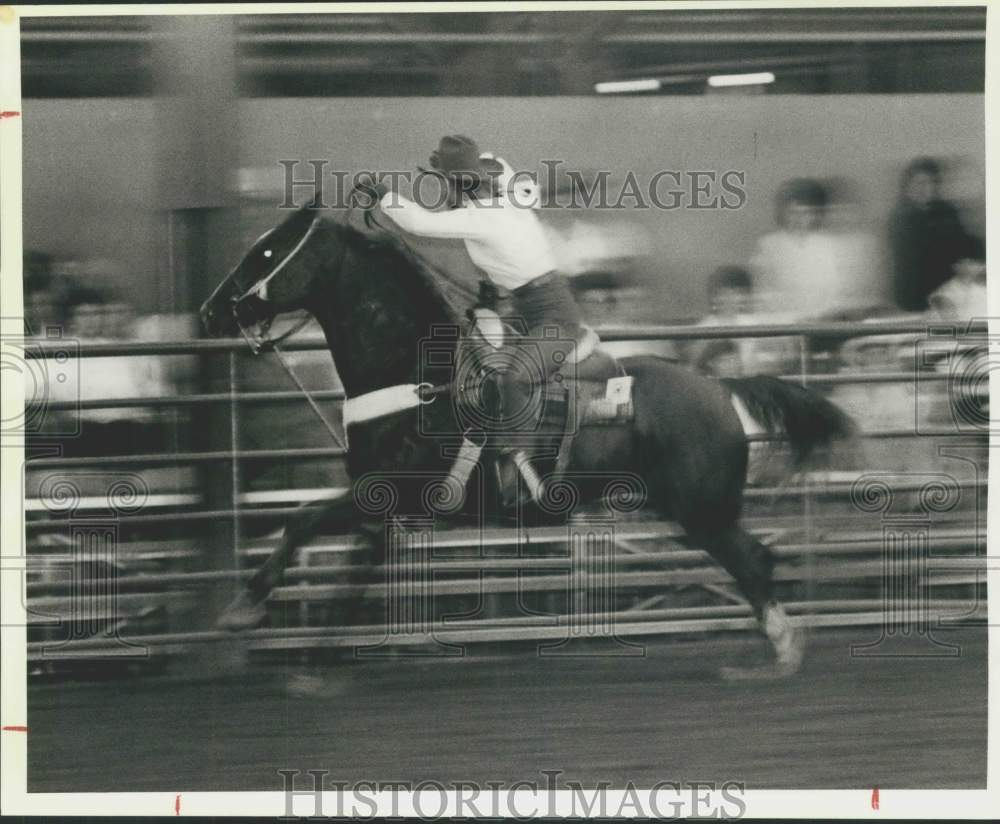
point(465, 223)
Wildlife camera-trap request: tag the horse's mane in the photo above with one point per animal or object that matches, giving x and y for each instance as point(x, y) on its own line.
point(443, 266)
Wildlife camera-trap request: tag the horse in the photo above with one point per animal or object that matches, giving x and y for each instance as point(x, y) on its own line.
point(377, 306)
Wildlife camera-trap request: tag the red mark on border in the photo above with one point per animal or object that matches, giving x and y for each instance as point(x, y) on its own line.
point(177, 805)
point(10, 114)
point(875, 798)
point(14, 728)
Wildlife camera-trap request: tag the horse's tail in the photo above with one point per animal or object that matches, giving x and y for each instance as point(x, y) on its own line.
point(807, 418)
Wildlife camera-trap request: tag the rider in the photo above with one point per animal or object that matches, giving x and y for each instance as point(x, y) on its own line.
point(504, 238)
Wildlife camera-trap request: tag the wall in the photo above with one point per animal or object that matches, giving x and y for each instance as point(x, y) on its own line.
point(89, 184)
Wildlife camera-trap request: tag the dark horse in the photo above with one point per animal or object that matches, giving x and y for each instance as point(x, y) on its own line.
point(376, 305)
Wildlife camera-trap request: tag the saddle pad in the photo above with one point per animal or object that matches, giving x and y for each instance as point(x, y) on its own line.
point(614, 407)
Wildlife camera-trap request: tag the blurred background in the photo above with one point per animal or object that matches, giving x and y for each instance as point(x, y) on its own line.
point(152, 159)
point(145, 135)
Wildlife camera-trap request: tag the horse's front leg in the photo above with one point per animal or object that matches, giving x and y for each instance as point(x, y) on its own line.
point(247, 608)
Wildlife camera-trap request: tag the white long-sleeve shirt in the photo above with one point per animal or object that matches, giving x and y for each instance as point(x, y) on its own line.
point(505, 240)
point(804, 276)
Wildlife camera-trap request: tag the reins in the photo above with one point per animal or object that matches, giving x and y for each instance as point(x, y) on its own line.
point(343, 444)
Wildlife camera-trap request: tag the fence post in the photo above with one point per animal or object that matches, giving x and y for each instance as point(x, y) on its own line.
point(212, 426)
point(807, 496)
point(234, 442)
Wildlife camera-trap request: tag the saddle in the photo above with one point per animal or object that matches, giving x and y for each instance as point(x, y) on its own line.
point(590, 389)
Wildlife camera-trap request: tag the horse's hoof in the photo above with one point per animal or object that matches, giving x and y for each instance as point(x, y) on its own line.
point(787, 661)
point(242, 615)
point(788, 640)
point(789, 656)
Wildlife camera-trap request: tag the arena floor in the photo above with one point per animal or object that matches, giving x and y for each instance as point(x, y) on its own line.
point(840, 723)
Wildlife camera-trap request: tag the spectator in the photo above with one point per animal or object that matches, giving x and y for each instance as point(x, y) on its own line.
point(730, 296)
point(723, 358)
point(38, 283)
point(46, 301)
point(860, 255)
point(88, 316)
point(964, 296)
point(731, 303)
point(110, 431)
point(804, 269)
point(927, 237)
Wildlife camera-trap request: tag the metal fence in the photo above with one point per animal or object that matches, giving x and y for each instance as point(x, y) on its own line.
point(833, 569)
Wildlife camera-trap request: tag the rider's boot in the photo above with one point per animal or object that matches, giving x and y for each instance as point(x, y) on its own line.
point(452, 492)
point(515, 395)
point(788, 642)
point(243, 613)
point(530, 476)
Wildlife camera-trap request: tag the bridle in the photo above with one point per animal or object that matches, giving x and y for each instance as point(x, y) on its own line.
point(254, 324)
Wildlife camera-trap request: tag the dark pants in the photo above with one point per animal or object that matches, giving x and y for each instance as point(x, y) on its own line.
point(547, 310)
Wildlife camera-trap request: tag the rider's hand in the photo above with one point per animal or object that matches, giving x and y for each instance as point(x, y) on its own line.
point(367, 192)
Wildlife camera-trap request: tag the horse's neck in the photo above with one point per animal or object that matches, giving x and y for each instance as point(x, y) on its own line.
point(376, 322)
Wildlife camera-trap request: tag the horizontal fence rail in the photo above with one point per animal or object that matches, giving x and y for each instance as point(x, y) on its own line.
point(819, 490)
point(162, 402)
point(313, 453)
point(720, 619)
point(971, 333)
point(313, 574)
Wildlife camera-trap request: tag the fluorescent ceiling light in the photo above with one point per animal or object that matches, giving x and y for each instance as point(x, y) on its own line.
point(754, 79)
point(650, 84)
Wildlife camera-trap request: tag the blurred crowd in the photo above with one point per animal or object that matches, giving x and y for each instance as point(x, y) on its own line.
point(821, 262)
point(71, 299)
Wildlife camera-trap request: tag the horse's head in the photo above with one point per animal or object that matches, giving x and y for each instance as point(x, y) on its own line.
point(277, 275)
point(376, 302)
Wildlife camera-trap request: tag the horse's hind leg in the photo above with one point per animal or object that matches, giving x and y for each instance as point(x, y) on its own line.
point(751, 564)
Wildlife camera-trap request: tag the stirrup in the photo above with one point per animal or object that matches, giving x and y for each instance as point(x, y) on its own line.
point(452, 492)
point(530, 475)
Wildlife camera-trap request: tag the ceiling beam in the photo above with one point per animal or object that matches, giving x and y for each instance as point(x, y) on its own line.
point(974, 35)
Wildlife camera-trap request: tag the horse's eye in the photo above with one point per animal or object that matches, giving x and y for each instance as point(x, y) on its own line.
point(267, 253)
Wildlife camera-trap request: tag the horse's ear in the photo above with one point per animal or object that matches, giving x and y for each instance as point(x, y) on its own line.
point(302, 216)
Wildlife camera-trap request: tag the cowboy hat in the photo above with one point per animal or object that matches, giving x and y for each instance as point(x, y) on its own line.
point(458, 156)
